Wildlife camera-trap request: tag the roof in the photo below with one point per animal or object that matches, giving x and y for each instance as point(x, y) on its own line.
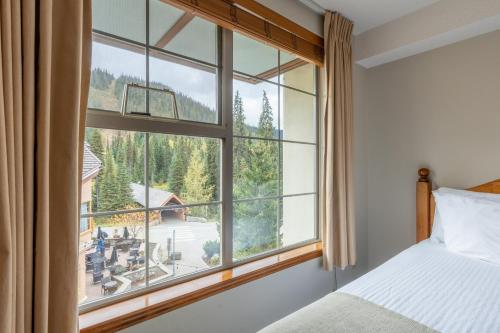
point(91, 163)
point(157, 198)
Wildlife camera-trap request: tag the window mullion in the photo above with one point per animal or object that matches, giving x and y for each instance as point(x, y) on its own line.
point(227, 147)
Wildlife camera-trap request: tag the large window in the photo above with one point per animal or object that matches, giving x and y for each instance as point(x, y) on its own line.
point(202, 146)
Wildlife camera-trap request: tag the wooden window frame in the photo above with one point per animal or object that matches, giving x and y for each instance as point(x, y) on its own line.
point(223, 130)
point(121, 315)
point(257, 21)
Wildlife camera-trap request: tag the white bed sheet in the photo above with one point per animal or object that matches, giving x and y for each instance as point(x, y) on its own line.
point(442, 290)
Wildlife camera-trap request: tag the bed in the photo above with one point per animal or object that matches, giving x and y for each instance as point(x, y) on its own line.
point(426, 288)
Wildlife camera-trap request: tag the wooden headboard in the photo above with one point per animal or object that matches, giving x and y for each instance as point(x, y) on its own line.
point(426, 204)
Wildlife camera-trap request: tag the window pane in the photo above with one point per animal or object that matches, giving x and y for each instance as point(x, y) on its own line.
point(255, 168)
point(183, 170)
point(255, 109)
point(112, 68)
point(256, 227)
point(84, 209)
point(113, 164)
point(183, 241)
point(255, 58)
point(123, 18)
point(194, 85)
point(298, 116)
point(299, 168)
point(182, 33)
point(299, 219)
point(297, 73)
point(112, 257)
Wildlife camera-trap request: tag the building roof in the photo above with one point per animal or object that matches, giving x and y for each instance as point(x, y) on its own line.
point(157, 198)
point(91, 163)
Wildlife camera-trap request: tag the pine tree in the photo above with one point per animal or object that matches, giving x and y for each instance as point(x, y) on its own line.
point(138, 161)
point(257, 223)
point(240, 145)
point(266, 127)
point(211, 165)
point(239, 126)
point(95, 142)
point(124, 197)
point(176, 171)
point(107, 186)
point(196, 187)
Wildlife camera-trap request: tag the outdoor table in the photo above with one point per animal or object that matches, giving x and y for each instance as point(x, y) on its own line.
point(110, 285)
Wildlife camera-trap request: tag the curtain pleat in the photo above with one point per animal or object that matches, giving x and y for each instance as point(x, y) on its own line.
point(44, 77)
point(339, 241)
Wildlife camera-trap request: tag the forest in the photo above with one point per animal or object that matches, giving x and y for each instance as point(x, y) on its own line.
point(190, 167)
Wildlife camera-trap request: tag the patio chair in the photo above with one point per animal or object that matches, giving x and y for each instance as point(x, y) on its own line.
point(97, 276)
point(103, 284)
point(89, 266)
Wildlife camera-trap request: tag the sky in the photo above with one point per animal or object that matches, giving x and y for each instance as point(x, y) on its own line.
point(198, 84)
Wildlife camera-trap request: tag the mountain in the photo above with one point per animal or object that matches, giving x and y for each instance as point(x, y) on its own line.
point(106, 92)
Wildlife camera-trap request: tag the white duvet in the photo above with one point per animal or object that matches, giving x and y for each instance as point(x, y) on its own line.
point(442, 290)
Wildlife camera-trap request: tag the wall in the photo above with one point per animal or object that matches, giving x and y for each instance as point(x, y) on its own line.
point(439, 109)
point(249, 307)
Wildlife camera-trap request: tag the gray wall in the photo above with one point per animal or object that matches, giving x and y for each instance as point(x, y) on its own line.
point(249, 307)
point(439, 109)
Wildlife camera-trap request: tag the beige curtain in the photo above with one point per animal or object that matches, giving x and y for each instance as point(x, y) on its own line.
point(339, 243)
point(45, 55)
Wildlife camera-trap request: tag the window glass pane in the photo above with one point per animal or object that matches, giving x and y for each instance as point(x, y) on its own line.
point(112, 68)
point(183, 241)
point(299, 168)
point(255, 108)
point(255, 58)
point(123, 18)
point(114, 162)
point(298, 116)
point(297, 73)
point(255, 168)
point(256, 227)
point(299, 219)
point(112, 257)
point(182, 33)
point(194, 85)
point(84, 221)
point(183, 170)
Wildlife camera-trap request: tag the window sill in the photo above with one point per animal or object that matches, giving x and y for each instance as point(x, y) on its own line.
point(126, 313)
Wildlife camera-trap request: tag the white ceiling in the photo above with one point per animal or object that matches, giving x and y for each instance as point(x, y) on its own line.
point(368, 14)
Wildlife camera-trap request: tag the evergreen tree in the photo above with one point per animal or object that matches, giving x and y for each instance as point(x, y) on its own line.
point(196, 187)
point(107, 186)
point(266, 127)
point(124, 197)
point(176, 172)
point(138, 161)
point(239, 126)
point(159, 152)
point(257, 223)
point(240, 145)
point(211, 165)
point(95, 142)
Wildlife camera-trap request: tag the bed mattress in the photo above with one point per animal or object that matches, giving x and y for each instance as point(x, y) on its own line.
point(430, 285)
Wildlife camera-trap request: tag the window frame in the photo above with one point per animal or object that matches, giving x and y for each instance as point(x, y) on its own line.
point(223, 130)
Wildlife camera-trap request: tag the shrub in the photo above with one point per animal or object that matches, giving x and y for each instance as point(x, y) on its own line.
point(211, 247)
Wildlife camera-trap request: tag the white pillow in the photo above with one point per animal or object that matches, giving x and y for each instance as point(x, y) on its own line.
point(470, 222)
point(437, 234)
